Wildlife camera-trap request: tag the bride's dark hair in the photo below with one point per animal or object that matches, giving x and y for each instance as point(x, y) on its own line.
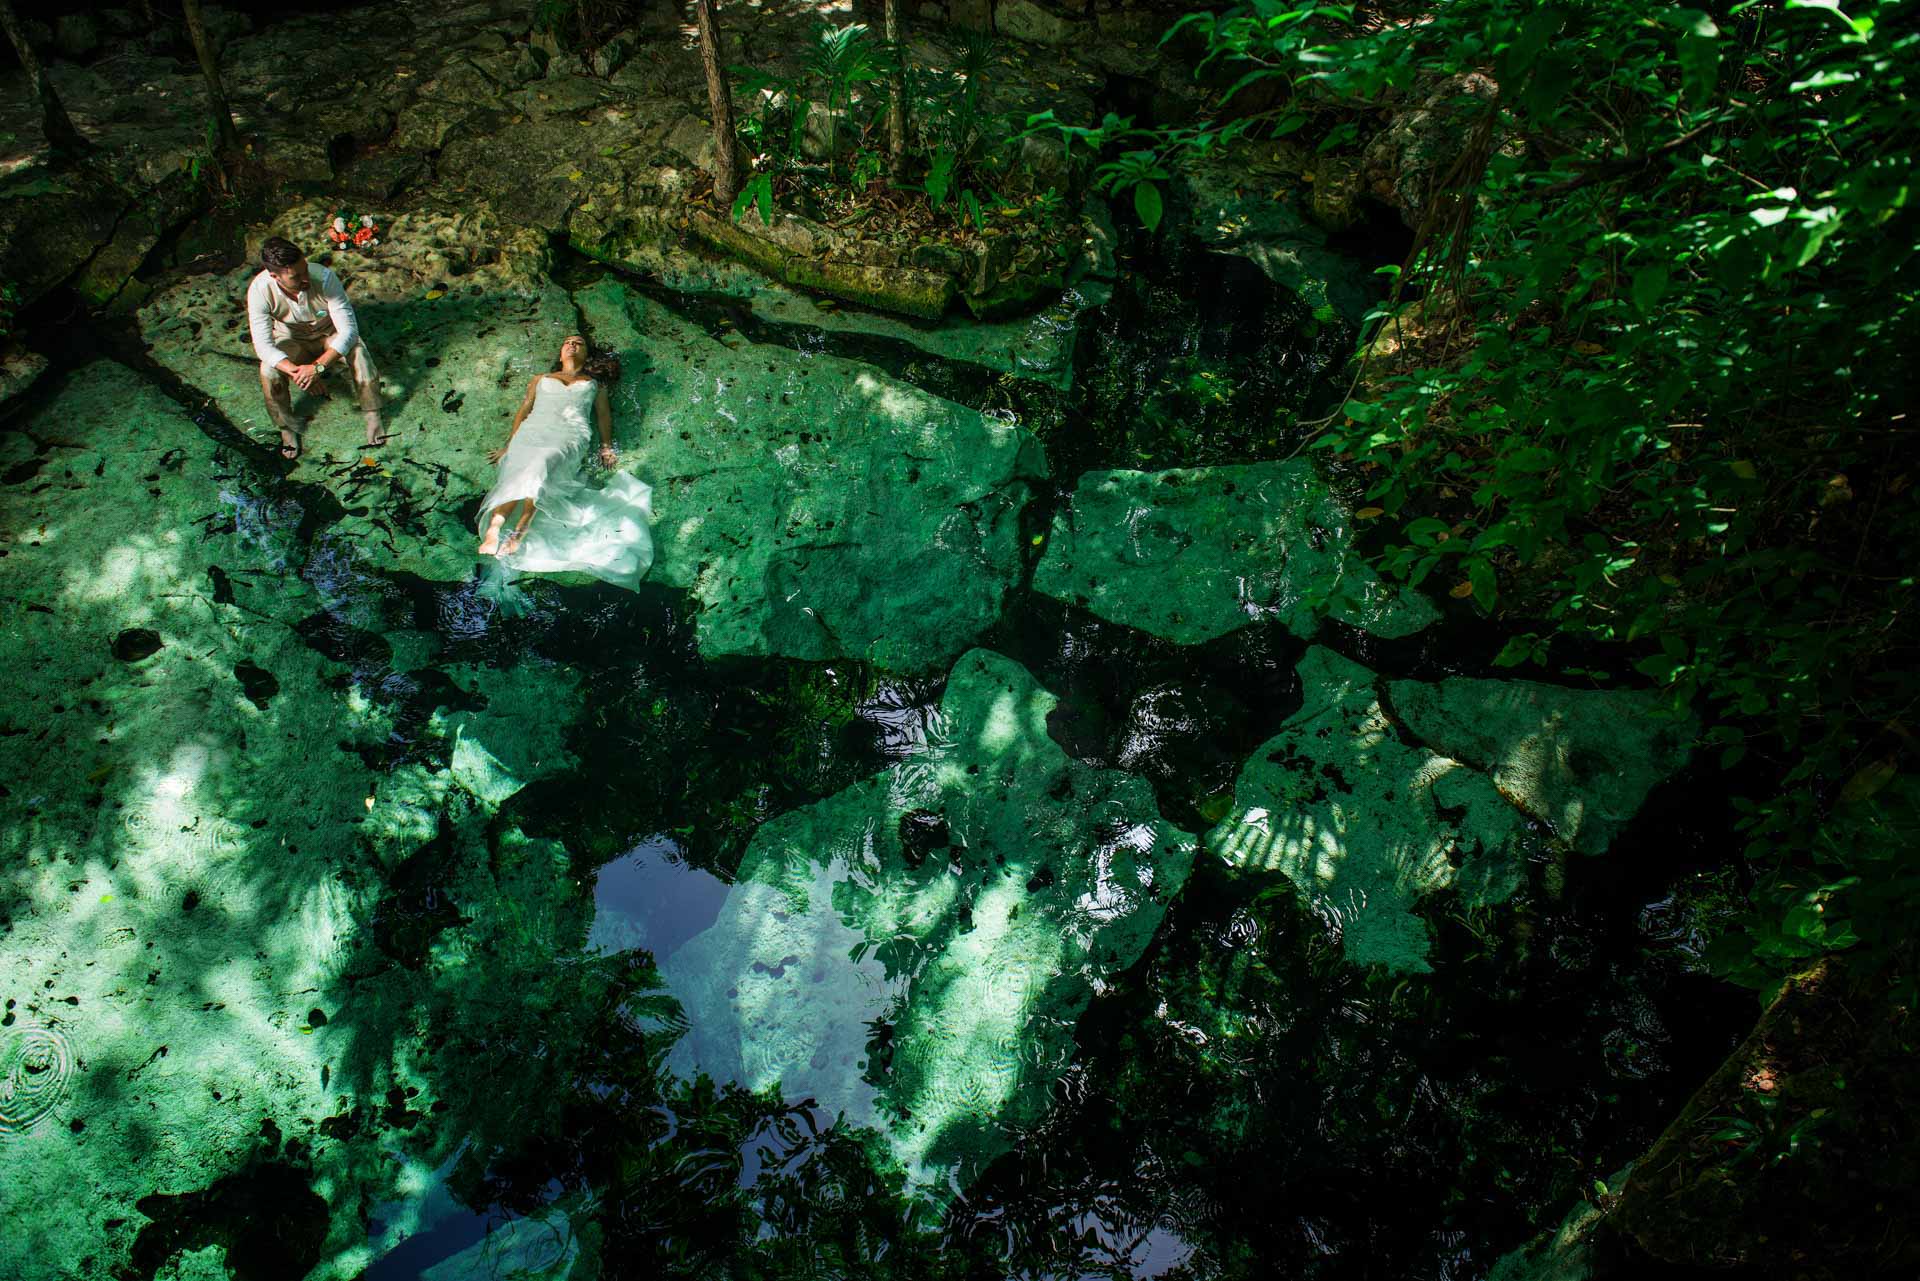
point(601, 366)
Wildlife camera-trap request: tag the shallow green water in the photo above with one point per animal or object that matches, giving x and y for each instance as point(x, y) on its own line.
point(460, 1015)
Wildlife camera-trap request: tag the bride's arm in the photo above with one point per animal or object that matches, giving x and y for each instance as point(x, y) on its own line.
point(526, 407)
point(603, 415)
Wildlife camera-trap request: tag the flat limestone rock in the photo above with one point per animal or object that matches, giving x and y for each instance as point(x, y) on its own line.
point(124, 868)
point(815, 507)
point(196, 870)
point(458, 312)
point(1191, 554)
point(1580, 761)
point(1038, 347)
point(1365, 824)
point(913, 953)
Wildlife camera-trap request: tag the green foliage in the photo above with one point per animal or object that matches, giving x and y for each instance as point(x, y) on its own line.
point(867, 168)
point(1141, 173)
point(940, 176)
point(1767, 1134)
point(959, 178)
point(949, 110)
point(774, 128)
point(9, 305)
point(843, 58)
point(1138, 169)
point(1654, 384)
point(1111, 131)
point(756, 192)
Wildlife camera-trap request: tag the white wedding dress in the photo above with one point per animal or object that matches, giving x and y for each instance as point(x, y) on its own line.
point(603, 531)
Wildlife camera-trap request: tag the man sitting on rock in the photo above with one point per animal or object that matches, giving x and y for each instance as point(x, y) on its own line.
point(302, 326)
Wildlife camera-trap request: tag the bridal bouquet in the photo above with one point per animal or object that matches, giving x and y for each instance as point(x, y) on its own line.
point(345, 233)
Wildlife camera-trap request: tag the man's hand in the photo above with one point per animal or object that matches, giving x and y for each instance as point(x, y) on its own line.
point(607, 456)
point(303, 376)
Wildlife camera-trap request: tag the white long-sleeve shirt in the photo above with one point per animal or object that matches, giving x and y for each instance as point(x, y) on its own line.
point(324, 297)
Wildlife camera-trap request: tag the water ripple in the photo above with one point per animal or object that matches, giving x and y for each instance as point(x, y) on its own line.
point(36, 1067)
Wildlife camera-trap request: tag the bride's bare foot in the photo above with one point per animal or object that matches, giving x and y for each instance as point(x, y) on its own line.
point(512, 544)
point(490, 545)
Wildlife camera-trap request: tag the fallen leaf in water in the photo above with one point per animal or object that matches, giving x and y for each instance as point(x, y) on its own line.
point(1370, 513)
point(435, 293)
point(100, 774)
point(1588, 348)
point(1743, 469)
point(1461, 590)
point(369, 461)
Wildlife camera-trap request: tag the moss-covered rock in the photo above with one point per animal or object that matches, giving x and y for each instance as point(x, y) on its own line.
point(1580, 761)
point(911, 291)
point(913, 953)
point(815, 507)
point(1192, 554)
point(1365, 824)
point(1037, 347)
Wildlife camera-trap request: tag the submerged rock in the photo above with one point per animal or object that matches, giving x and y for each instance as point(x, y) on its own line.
point(816, 507)
point(1580, 761)
point(913, 953)
point(1374, 795)
point(1365, 824)
point(1192, 554)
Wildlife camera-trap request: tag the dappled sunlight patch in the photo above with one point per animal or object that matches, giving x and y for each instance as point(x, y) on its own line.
point(1580, 761)
point(1364, 825)
point(914, 952)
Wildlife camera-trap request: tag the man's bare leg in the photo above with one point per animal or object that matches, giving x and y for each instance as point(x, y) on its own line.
point(365, 380)
point(279, 393)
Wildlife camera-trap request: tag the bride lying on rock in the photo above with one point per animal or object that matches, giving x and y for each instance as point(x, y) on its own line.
point(541, 515)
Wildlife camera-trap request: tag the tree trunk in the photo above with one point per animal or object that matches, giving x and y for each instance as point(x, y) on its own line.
point(896, 92)
point(726, 166)
point(63, 140)
point(210, 68)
